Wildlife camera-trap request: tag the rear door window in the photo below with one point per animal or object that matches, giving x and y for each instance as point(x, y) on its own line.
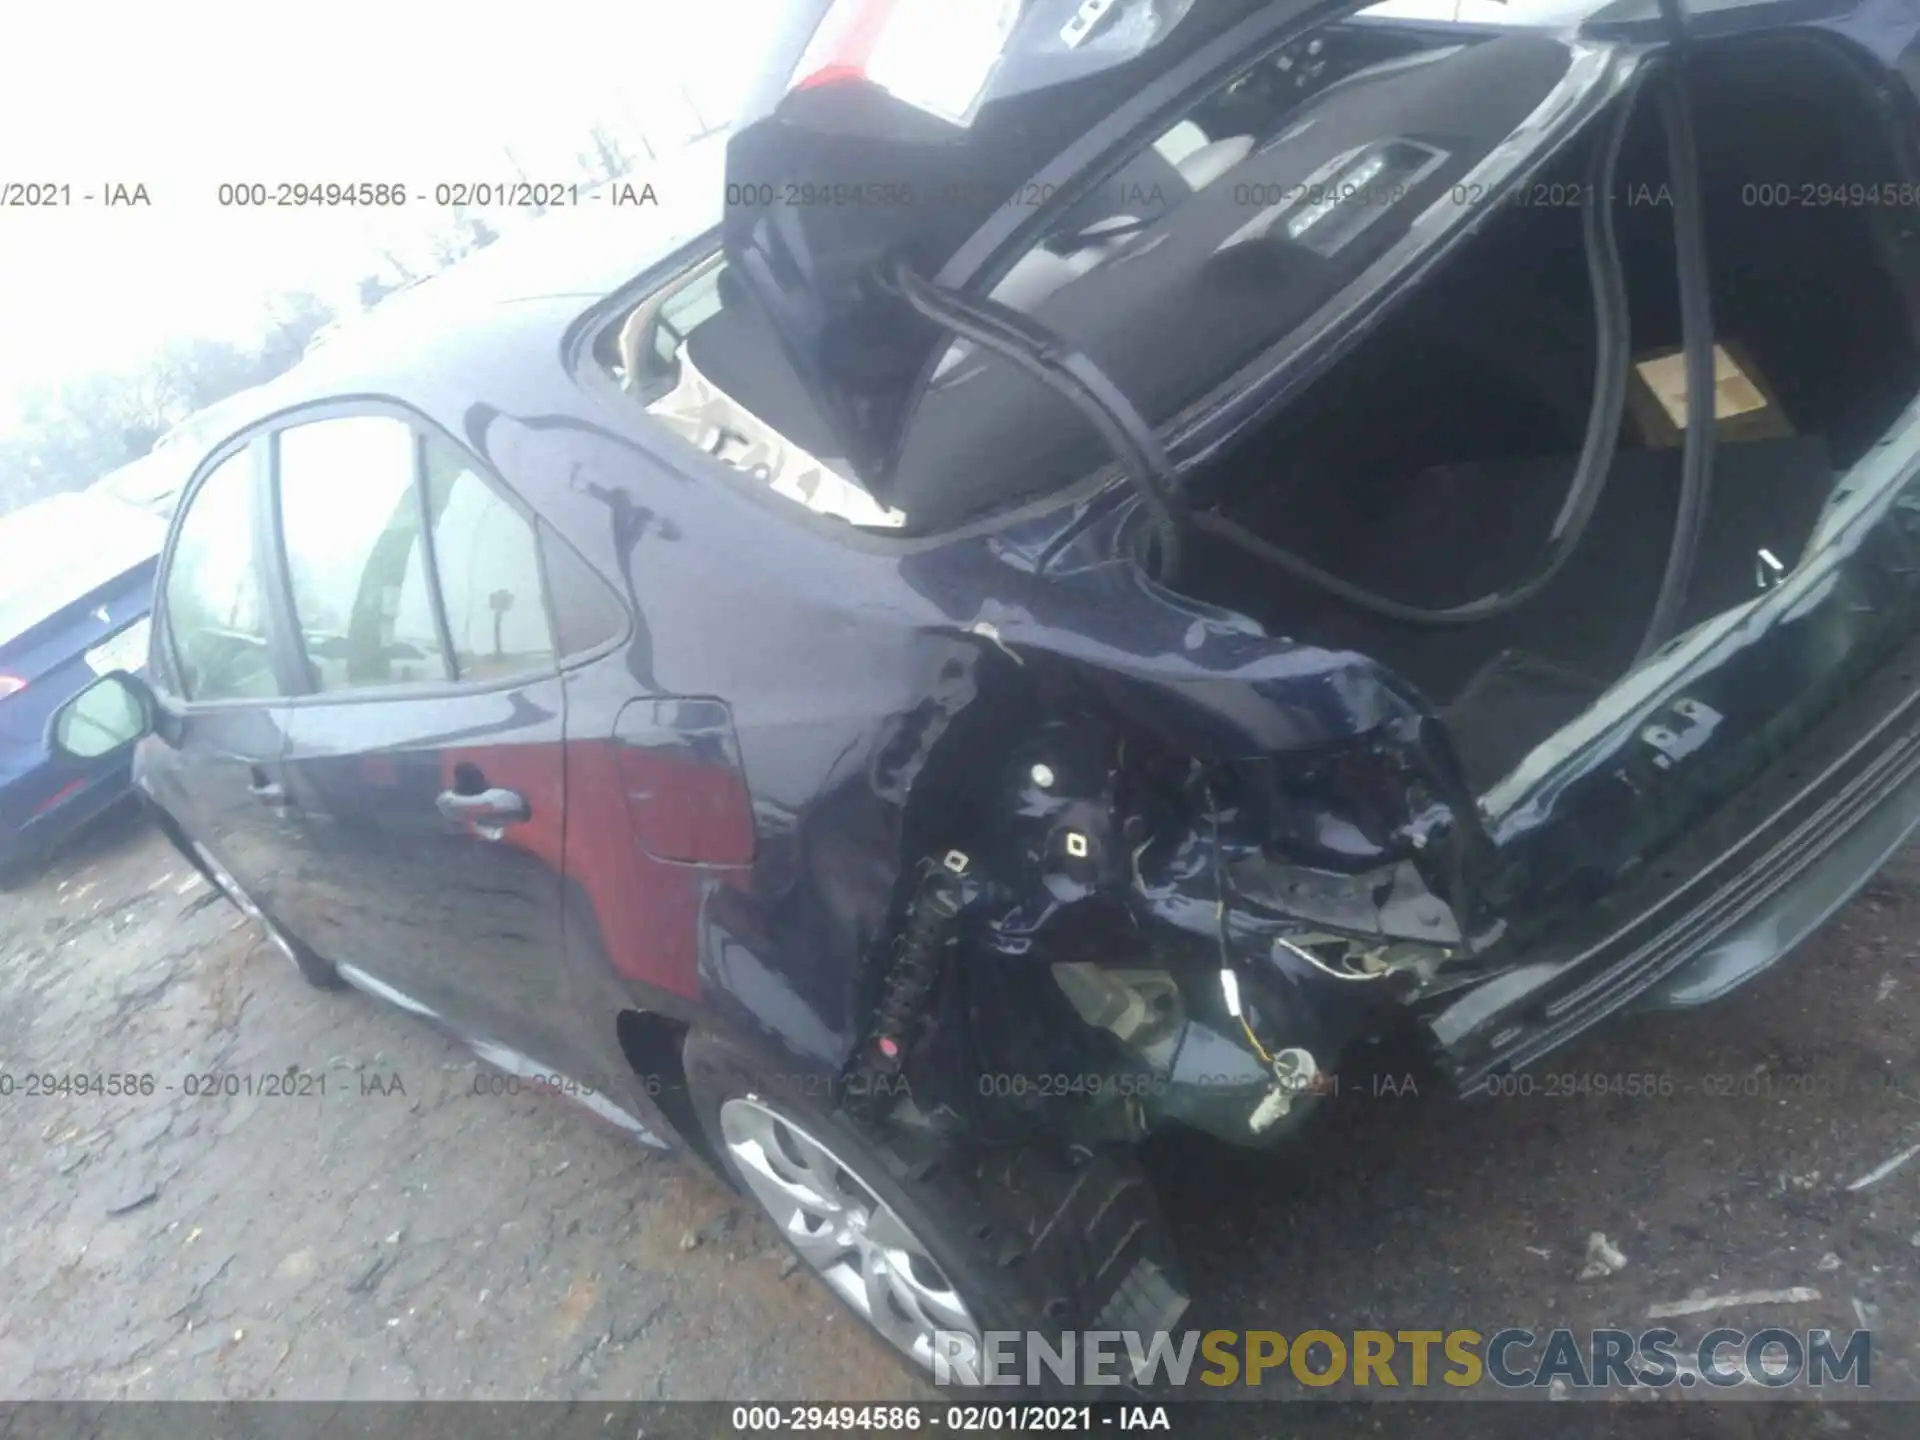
point(488, 560)
point(357, 562)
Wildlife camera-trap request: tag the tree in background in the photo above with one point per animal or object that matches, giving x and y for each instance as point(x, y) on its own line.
point(73, 434)
point(465, 232)
point(293, 318)
point(606, 160)
point(474, 227)
point(68, 435)
point(189, 375)
point(520, 174)
point(373, 289)
point(702, 127)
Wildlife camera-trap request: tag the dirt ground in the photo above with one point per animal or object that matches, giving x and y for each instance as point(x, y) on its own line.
point(402, 1236)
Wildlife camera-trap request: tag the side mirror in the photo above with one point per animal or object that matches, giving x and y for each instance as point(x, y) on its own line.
point(106, 718)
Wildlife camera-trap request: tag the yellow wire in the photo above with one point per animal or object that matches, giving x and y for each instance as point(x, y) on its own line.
point(1254, 1040)
point(1220, 916)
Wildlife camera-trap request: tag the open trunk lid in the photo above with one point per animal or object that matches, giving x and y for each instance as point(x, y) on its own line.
point(941, 131)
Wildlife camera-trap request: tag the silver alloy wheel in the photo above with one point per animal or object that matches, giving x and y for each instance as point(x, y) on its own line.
point(854, 1241)
point(245, 903)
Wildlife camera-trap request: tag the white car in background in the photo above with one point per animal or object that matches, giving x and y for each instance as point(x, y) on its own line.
point(153, 482)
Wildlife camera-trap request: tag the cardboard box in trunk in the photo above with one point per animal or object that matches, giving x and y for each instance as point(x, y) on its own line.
point(1744, 404)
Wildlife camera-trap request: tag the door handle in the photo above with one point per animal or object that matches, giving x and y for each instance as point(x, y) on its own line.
point(490, 810)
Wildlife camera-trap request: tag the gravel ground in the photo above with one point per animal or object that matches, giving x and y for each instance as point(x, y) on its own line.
point(402, 1236)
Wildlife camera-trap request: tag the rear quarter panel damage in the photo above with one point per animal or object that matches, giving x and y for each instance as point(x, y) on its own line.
point(887, 706)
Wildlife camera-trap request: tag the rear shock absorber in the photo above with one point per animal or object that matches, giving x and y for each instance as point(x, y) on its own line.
point(869, 1086)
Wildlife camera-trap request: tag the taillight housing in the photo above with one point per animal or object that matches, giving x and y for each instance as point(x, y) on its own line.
point(935, 55)
point(11, 685)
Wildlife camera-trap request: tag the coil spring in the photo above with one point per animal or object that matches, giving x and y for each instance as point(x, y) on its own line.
point(908, 985)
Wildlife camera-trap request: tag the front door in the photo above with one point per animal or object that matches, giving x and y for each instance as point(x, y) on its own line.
point(220, 775)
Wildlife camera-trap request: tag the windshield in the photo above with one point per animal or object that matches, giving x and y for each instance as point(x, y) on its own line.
point(58, 551)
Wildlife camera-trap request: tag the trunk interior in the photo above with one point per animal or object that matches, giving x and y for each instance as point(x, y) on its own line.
point(1429, 464)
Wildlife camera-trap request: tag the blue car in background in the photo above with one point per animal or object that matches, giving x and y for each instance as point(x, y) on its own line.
point(76, 585)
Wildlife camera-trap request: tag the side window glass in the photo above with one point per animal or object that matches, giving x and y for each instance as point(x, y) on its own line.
point(351, 524)
point(586, 611)
point(215, 612)
point(489, 566)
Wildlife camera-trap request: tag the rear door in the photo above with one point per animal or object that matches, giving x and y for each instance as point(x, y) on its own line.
point(425, 756)
point(216, 666)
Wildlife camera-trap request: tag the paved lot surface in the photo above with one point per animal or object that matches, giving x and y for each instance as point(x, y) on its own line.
point(401, 1236)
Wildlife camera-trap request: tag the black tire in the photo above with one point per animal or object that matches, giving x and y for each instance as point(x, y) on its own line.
point(313, 969)
point(956, 1204)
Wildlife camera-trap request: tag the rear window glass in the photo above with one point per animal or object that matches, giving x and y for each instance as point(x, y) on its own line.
point(489, 566)
point(356, 560)
point(586, 613)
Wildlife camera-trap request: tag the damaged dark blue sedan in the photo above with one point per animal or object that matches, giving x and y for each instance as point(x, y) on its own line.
point(1104, 553)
